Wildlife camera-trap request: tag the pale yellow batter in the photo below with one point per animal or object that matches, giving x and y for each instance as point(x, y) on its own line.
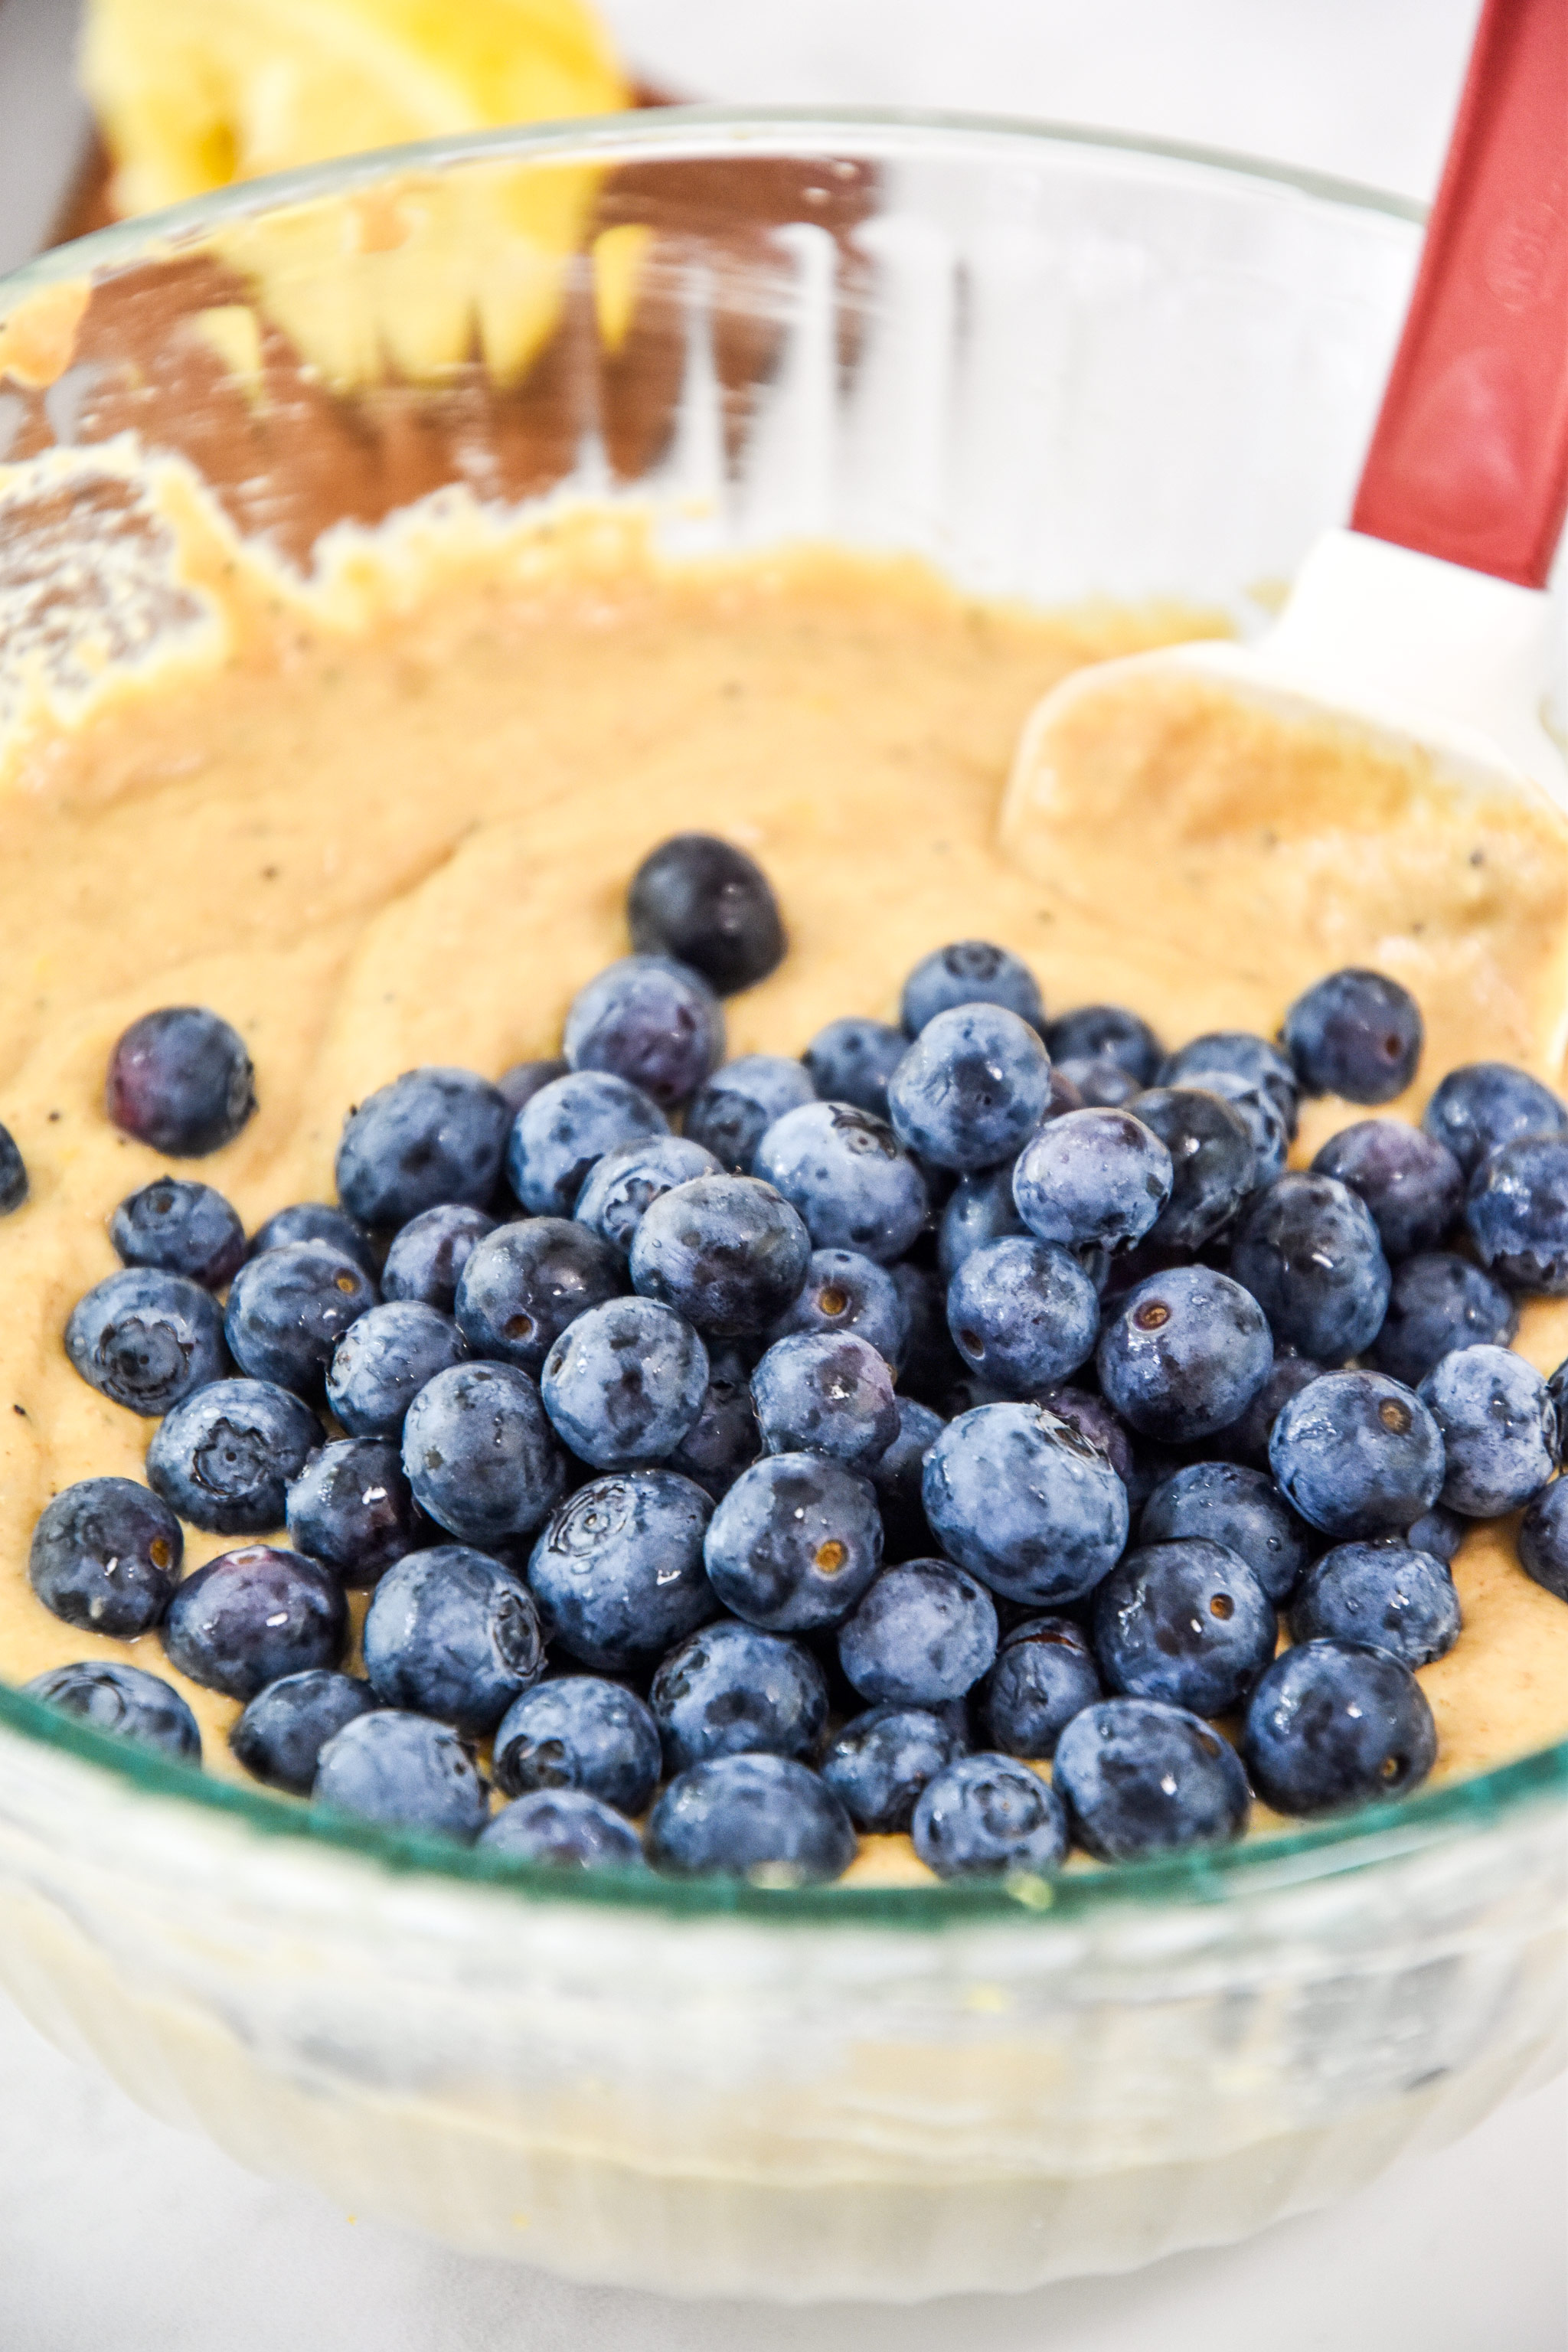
point(410, 843)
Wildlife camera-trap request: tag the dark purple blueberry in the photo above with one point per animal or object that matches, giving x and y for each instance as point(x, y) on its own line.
point(352, 1509)
point(480, 1455)
point(453, 1633)
point(1258, 1107)
point(427, 1260)
point(180, 1080)
point(314, 1220)
point(1358, 1454)
point(1014, 1495)
point(1186, 1355)
point(845, 1291)
point(1485, 1104)
point(794, 1543)
point(1393, 1596)
point(1543, 1539)
point(182, 1228)
point(252, 1615)
point(971, 1088)
point(734, 1110)
point(617, 1573)
point(1411, 1182)
point(223, 1457)
point(1337, 1722)
point(1499, 1429)
point(1095, 1420)
point(924, 1632)
point(1141, 1778)
point(525, 1080)
point(731, 1689)
point(706, 903)
point(580, 1731)
point(1308, 1251)
point(764, 1816)
point(432, 1136)
point(105, 1556)
point(879, 1763)
point(1244, 1055)
point(825, 1392)
point(1241, 1508)
point(1099, 1083)
point(1107, 1033)
point(624, 1383)
point(969, 971)
point(1023, 1314)
point(1246, 1439)
point(13, 1182)
point(988, 1816)
point(1187, 1622)
point(289, 1309)
point(848, 1177)
point(978, 1210)
point(1094, 1179)
point(145, 1339)
point(729, 1253)
point(1356, 1033)
point(898, 1478)
point(124, 1700)
point(1517, 1213)
point(622, 1187)
point(852, 1060)
point(1045, 1674)
point(1438, 1302)
point(525, 1283)
point(566, 1829)
point(723, 1440)
point(655, 1023)
point(1213, 1163)
point(280, 1735)
point(382, 1362)
point(405, 1772)
point(561, 1133)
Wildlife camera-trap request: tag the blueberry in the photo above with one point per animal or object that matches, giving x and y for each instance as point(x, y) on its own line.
point(1094, 1419)
point(766, 1817)
point(106, 1555)
point(252, 1615)
point(622, 1186)
point(181, 1228)
point(579, 1732)
point(825, 1392)
point(624, 1383)
point(1485, 1104)
point(453, 1633)
point(1265, 1121)
point(989, 1816)
point(1186, 1355)
point(971, 1088)
point(1015, 1495)
point(1241, 1508)
point(728, 1253)
point(525, 1080)
point(405, 1772)
point(125, 1700)
point(224, 1457)
point(1213, 1163)
point(426, 1261)
point(382, 1362)
point(1336, 1723)
point(969, 971)
point(880, 1760)
point(1141, 1778)
point(617, 1573)
point(1358, 1454)
point(930, 1363)
point(655, 1023)
point(433, 1135)
point(1107, 1033)
point(1246, 1438)
point(1187, 1622)
point(1023, 1314)
point(730, 1690)
point(145, 1339)
point(13, 1173)
point(1096, 1178)
point(564, 1827)
point(705, 902)
point(1438, 1302)
point(1517, 1213)
point(849, 1178)
point(925, 1632)
point(525, 1283)
point(740, 1102)
point(1099, 1083)
point(280, 1735)
point(180, 1080)
point(794, 1543)
point(852, 1060)
point(1499, 1429)
point(1356, 1033)
point(1244, 1055)
point(1045, 1674)
point(1308, 1250)
point(1393, 1596)
point(843, 1291)
point(562, 1132)
point(898, 1478)
point(314, 1220)
point(289, 1309)
point(1439, 1531)
point(479, 1454)
point(352, 1509)
point(1412, 1183)
point(723, 1440)
point(978, 1210)
point(1558, 1386)
point(1543, 1539)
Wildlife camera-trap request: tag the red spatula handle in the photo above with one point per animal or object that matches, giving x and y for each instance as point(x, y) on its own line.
point(1469, 459)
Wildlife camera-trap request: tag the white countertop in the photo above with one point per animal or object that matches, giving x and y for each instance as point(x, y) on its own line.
point(121, 2235)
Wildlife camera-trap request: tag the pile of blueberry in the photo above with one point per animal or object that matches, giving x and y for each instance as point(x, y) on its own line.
point(970, 1393)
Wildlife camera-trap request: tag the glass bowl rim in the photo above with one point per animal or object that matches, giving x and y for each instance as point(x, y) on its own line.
point(1211, 1876)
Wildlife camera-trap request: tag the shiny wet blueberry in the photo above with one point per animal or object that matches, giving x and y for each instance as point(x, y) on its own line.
point(1543, 1539)
point(1096, 1178)
point(794, 1543)
point(925, 1632)
point(433, 1135)
point(1517, 1213)
point(252, 1615)
point(316, 1220)
point(561, 1133)
point(1141, 1778)
point(1358, 1454)
point(105, 1556)
point(180, 1080)
point(1213, 1163)
point(224, 1457)
point(124, 1700)
point(1023, 1314)
point(404, 1771)
point(843, 1291)
point(825, 1392)
point(352, 1509)
point(655, 1023)
point(480, 1455)
point(1393, 1596)
point(1259, 1109)
point(1107, 1033)
point(280, 1735)
point(1045, 1674)
point(145, 1339)
point(767, 1818)
point(723, 1440)
point(427, 1259)
point(289, 1309)
point(899, 1477)
point(1411, 1182)
point(1246, 1439)
point(1437, 1302)
point(1356, 1033)
point(880, 1760)
point(617, 1572)
point(728, 1253)
point(730, 1690)
point(182, 1228)
point(525, 1283)
point(1095, 1420)
point(580, 1731)
point(969, 971)
point(1498, 1425)
point(1336, 1723)
point(1187, 1622)
point(1014, 1495)
point(971, 1088)
point(706, 903)
point(1186, 1355)
point(624, 1383)
point(564, 1827)
point(622, 1187)
point(1244, 1055)
point(852, 1060)
point(848, 1177)
point(740, 1102)
point(978, 1210)
point(1308, 1250)
point(382, 1362)
point(1237, 1506)
point(453, 1633)
point(1485, 1104)
point(988, 1816)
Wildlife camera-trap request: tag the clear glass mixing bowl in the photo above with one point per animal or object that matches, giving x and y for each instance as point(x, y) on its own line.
point(1058, 366)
